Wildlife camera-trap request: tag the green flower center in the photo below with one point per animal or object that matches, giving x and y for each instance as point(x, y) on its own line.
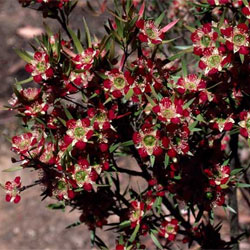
point(101, 117)
point(248, 123)
point(170, 229)
point(87, 59)
point(151, 33)
point(205, 41)
point(214, 60)
point(168, 113)
point(79, 132)
point(149, 140)
point(61, 185)
point(239, 39)
point(209, 195)
point(41, 67)
point(80, 176)
point(190, 85)
point(136, 214)
point(23, 144)
point(119, 82)
point(48, 156)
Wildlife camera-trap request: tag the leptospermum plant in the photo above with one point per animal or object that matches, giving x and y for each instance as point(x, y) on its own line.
point(130, 94)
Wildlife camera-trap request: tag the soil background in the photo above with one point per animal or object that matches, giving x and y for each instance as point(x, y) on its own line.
point(29, 224)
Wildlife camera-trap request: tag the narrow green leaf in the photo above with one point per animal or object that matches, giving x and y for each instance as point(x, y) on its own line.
point(152, 160)
point(242, 185)
point(76, 41)
point(193, 125)
point(48, 30)
point(187, 105)
point(150, 100)
point(124, 224)
point(24, 55)
point(127, 143)
point(230, 209)
point(25, 81)
point(242, 57)
point(200, 118)
point(160, 18)
point(67, 113)
point(181, 53)
point(236, 171)
point(154, 92)
point(129, 94)
point(166, 161)
point(245, 2)
point(113, 147)
point(92, 237)
point(191, 29)
point(225, 163)
point(133, 236)
point(119, 27)
point(62, 121)
point(155, 240)
point(184, 67)
point(59, 205)
point(13, 169)
point(88, 37)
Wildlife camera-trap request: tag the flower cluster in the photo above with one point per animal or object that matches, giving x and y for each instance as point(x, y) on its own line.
point(130, 94)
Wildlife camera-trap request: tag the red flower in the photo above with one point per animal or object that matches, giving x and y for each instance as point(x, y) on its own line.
point(28, 144)
point(85, 175)
point(40, 67)
point(148, 142)
point(78, 133)
point(48, 156)
point(213, 61)
point(117, 84)
point(136, 213)
point(170, 112)
point(237, 38)
point(12, 190)
point(245, 124)
point(150, 33)
point(204, 38)
point(169, 229)
point(85, 59)
point(191, 83)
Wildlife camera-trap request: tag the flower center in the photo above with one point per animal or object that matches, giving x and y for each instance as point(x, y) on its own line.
point(214, 60)
point(170, 229)
point(248, 123)
point(41, 67)
point(190, 85)
point(239, 39)
point(61, 185)
point(119, 82)
point(149, 140)
point(168, 113)
point(151, 33)
point(101, 117)
point(205, 41)
point(23, 144)
point(80, 176)
point(87, 59)
point(136, 214)
point(79, 132)
point(48, 156)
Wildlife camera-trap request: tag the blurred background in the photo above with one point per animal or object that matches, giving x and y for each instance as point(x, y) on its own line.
point(29, 224)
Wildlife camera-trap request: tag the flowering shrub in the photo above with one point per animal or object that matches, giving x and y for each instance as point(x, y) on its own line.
point(130, 93)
